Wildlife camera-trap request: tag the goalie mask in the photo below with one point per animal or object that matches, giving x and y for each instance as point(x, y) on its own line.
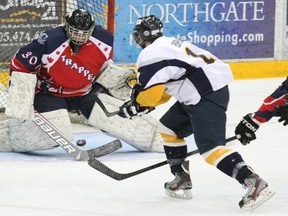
point(79, 25)
point(147, 28)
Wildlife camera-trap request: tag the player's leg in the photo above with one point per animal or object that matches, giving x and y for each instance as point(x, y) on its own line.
point(208, 120)
point(174, 126)
point(25, 135)
point(44, 102)
point(22, 136)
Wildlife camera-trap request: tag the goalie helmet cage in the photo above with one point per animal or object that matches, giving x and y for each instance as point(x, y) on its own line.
point(23, 21)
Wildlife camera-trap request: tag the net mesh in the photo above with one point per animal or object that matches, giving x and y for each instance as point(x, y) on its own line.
point(22, 21)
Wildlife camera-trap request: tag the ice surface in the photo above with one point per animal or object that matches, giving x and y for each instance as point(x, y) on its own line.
point(51, 183)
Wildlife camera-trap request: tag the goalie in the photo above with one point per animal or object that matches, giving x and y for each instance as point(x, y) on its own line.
point(62, 71)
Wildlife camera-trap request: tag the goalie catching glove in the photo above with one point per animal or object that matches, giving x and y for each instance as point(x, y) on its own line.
point(246, 129)
point(282, 112)
point(132, 109)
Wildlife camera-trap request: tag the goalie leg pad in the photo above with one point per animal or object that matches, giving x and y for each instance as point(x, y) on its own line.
point(21, 95)
point(141, 133)
point(27, 136)
point(5, 144)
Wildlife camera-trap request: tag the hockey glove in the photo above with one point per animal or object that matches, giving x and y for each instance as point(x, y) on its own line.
point(282, 112)
point(246, 129)
point(135, 91)
point(132, 109)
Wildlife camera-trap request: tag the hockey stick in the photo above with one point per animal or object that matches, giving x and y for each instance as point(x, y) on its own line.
point(99, 102)
point(66, 144)
point(96, 164)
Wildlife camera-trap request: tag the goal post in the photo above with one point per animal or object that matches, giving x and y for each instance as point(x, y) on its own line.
point(111, 16)
point(23, 21)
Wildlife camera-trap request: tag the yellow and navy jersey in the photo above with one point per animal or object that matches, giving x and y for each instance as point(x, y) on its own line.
point(170, 67)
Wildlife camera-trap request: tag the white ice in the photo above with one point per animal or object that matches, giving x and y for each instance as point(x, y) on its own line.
point(51, 183)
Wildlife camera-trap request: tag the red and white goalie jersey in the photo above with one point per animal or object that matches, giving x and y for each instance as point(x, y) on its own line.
point(59, 71)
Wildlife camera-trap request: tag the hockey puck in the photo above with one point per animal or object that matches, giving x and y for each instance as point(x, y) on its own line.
point(81, 142)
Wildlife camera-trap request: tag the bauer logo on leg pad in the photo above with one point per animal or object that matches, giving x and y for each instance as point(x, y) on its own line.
point(55, 135)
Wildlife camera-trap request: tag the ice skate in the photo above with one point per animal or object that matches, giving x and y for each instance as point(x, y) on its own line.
point(257, 194)
point(181, 185)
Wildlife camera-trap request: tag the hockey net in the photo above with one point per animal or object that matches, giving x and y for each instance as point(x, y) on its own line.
point(22, 21)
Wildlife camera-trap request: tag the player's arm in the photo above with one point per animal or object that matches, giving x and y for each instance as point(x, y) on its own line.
point(143, 101)
point(28, 58)
point(153, 96)
point(282, 109)
point(252, 121)
point(277, 98)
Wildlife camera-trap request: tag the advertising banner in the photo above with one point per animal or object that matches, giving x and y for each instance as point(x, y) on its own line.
point(238, 29)
point(22, 21)
point(229, 29)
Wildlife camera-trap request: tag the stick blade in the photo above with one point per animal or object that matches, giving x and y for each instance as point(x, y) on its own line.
point(105, 149)
point(96, 164)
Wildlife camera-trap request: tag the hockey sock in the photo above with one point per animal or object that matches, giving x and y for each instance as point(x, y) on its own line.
point(175, 157)
point(234, 166)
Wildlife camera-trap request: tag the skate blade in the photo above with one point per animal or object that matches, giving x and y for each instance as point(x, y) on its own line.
point(181, 194)
point(264, 196)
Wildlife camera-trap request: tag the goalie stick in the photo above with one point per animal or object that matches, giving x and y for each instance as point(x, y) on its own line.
point(99, 102)
point(96, 164)
point(66, 144)
point(102, 106)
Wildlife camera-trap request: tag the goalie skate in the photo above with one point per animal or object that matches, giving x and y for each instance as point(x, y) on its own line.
point(257, 194)
point(181, 185)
